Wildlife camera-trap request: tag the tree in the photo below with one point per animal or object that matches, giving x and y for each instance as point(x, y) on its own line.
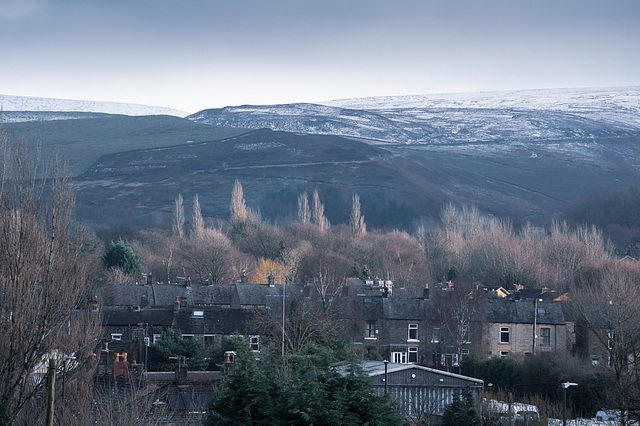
point(270, 268)
point(238, 206)
point(317, 214)
point(610, 310)
point(302, 391)
point(44, 260)
point(462, 411)
point(358, 227)
point(304, 214)
point(178, 217)
point(120, 255)
point(198, 223)
point(171, 345)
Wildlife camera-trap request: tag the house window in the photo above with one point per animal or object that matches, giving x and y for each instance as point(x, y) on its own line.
point(147, 341)
point(413, 332)
point(435, 337)
point(399, 357)
point(254, 341)
point(156, 337)
point(545, 336)
point(505, 334)
point(116, 336)
point(455, 360)
point(208, 340)
point(505, 354)
point(413, 355)
point(187, 337)
point(370, 330)
point(198, 314)
point(464, 333)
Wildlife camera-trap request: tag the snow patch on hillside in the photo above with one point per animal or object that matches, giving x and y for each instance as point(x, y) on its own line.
point(25, 103)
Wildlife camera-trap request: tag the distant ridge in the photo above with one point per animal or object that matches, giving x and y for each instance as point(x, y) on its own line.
point(10, 103)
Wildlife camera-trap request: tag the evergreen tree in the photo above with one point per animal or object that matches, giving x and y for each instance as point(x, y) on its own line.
point(120, 255)
point(462, 411)
point(171, 344)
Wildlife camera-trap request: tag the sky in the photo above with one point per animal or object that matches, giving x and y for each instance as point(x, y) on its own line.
point(196, 54)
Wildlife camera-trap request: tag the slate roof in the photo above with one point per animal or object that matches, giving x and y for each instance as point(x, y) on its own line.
point(509, 311)
point(125, 317)
point(234, 295)
point(373, 308)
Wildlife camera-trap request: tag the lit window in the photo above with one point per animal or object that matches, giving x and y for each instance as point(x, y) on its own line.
point(254, 341)
point(413, 331)
point(116, 336)
point(370, 330)
point(413, 355)
point(545, 336)
point(505, 334)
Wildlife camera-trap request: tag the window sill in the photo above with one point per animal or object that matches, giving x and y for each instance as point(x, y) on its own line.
point(370, 338)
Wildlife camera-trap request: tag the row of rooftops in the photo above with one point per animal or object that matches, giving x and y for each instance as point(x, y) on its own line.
point(159, 303)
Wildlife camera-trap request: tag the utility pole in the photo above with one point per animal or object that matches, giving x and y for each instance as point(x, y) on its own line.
point(51, 391)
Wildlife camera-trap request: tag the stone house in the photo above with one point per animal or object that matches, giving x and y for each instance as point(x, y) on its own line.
point(518, 328)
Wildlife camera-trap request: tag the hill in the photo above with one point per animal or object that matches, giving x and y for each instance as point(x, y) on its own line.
point(33, 104)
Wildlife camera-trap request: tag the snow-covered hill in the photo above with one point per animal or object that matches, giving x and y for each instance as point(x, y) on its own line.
point(19, 108)
point(515, 116)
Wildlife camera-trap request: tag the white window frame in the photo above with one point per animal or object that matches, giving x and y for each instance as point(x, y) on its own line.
point(412, 327)
point(412, 351)
point(116, 336)
point(198, 314)
point(255, 346)
point(147, 341)
point(505, 331)
point(156, 338)
point(455, 360)
point(188, 337)
point(399, 357)
point(505, 354)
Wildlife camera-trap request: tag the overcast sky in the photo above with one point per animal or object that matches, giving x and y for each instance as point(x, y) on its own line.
point(192, 55)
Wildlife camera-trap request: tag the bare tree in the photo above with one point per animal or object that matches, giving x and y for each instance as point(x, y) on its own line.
point(327, 271)
point(178, 217)
point(198, 223)
point(358, 227)
point(610, 311)
point(317, 214)
point(304, 214)
point(43, 271)
point(238, 206)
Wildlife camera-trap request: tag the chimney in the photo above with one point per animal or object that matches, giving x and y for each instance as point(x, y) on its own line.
point(183, 301)
point(176, 304)
point(243, 277)
point(270, 280)
point(149, 278)
point(425, 293)
point(306, 290)
point(144, 301)
point(188, 282)
point(385, 291)
point(516, 295)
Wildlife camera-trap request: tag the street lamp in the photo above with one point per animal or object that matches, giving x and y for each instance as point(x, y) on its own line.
point(565, 385)
point(386, 375)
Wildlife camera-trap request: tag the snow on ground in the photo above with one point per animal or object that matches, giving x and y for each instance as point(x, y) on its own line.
point(25, 103)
